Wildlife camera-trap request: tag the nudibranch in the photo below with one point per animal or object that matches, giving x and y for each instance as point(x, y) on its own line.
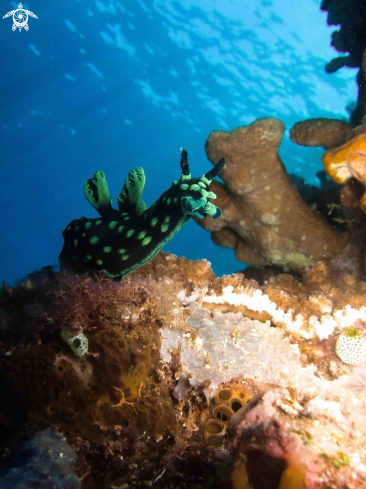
point(122, 240)
point(346, 161)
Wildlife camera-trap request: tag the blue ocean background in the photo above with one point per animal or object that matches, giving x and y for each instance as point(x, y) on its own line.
point(113, 85)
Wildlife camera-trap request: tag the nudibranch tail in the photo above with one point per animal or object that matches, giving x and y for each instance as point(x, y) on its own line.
point(122, 240)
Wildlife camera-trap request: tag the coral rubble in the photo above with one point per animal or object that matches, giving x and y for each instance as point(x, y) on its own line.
point(189, 380)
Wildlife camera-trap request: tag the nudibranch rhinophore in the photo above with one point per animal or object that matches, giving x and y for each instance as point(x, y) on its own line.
point(122, 240)
point(346, 161)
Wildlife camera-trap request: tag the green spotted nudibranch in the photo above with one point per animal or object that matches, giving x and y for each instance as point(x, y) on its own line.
point(122, 240)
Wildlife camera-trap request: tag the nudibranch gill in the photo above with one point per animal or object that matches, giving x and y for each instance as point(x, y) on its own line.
point(346, 161)
point(122, 240)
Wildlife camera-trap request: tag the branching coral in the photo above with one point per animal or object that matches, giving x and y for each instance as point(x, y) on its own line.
point(264, 218)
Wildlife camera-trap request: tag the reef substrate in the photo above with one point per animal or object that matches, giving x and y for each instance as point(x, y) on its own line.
point(189, 380)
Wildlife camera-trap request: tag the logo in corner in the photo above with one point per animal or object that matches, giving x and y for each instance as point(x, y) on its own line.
point(20, 17)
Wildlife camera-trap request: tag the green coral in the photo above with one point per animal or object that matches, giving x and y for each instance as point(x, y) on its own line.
point(124, 239)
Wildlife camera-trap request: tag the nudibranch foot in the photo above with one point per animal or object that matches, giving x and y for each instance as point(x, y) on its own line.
point(122, 240)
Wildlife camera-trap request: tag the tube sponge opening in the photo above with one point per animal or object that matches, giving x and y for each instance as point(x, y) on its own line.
point(78, 343)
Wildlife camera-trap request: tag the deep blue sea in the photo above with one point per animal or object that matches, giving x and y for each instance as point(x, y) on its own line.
point(113, 85)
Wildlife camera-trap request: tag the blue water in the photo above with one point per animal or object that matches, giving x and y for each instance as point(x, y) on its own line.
point(113, 85)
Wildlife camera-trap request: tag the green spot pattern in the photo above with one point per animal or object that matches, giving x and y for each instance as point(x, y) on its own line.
point(146, 241)
point(153, 226)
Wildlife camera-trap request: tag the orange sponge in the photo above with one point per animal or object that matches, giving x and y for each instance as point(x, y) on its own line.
point(349, 160)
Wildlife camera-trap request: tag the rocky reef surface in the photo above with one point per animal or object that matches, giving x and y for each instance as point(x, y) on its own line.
point(190, 380)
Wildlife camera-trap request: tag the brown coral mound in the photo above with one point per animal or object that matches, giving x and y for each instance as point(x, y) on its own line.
point(327, 133)
point(264, 217)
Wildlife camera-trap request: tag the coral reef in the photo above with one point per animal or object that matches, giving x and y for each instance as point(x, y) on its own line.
point(263, 216)
point(123, 240)
point(176, 378)
point(189, 380)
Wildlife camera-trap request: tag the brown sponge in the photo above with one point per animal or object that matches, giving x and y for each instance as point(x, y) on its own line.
point(264, 218)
